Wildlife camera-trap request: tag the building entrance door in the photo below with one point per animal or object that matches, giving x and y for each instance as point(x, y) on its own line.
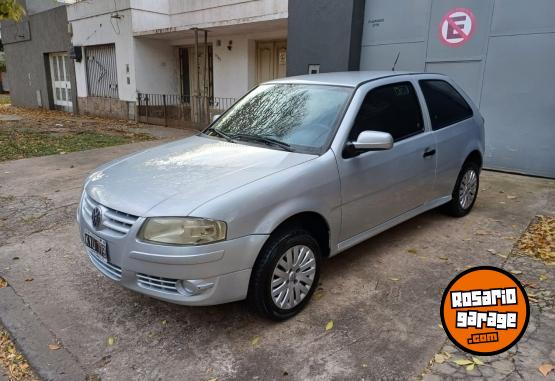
point(271, 60)
point(61, 85)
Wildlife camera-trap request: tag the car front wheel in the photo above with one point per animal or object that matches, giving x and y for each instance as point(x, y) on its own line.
point(285, 274)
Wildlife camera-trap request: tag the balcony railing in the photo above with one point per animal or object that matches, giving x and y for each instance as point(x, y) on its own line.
point(180, 110)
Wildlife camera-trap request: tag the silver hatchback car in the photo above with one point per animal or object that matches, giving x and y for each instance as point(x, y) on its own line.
point(298, 170)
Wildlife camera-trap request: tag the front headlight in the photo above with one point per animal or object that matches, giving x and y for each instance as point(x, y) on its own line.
point(183, 230)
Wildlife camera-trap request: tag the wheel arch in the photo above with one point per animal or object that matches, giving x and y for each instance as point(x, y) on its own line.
point(314, 222)
point(476, 157)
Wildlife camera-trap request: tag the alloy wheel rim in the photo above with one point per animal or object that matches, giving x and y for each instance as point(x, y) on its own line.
point(468, 188)
point(293, 277)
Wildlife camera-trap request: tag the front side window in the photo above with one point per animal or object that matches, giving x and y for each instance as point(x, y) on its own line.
point(300, 117)
point(445, 104)
point(391, 108)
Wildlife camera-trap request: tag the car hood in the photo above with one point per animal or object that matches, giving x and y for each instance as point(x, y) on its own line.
point(175, 178)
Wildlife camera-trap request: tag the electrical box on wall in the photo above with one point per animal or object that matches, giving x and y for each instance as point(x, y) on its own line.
point(76, 53)
point(314, 69)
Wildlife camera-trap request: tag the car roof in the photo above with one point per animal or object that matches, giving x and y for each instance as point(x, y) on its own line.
point(345, 78)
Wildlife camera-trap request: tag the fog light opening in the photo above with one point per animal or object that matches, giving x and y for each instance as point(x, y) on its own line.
point(194, 287)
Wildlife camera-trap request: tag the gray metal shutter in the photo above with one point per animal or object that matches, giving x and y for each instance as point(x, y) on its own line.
point(102, 78)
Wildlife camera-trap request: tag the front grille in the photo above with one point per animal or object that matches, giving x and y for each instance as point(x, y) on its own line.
point(116, 222)
point(108, 269)
point(158, 283)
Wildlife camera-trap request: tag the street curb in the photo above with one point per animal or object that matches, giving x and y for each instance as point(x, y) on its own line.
point(31, 337)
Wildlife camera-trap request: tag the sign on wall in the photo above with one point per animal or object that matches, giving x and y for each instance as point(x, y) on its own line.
point(458, 30)
point(457, 27)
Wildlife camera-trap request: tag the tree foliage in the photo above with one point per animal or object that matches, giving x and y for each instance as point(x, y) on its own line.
point(11, 10)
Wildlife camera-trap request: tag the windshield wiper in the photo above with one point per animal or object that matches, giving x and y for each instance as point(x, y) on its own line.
point(264, 139)
point(221, 134)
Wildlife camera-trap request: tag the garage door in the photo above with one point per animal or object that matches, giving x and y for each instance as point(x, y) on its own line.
point(502, 52)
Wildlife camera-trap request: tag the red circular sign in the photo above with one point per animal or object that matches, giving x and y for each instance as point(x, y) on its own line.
point(457, 27)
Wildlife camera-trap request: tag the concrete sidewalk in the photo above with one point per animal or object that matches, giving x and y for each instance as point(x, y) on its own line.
point(382, 295)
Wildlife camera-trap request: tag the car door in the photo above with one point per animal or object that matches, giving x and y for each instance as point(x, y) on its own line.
point(377, 186)
point(453, 126)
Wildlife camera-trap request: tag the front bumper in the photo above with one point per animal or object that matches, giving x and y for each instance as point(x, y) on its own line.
point(222, 270)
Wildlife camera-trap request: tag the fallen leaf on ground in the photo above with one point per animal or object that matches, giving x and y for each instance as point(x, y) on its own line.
point(492, 251)
point(543, 277)
point(516, 272)
point(3, 283)
point(110, 341)
point(54, 347)
point(510, 197)
point(164, 322)
point(443, 258)
point(439, 358)
point(545, 369)
point(470, 367)
point(13, 361)
point(255, 340)
point(29, 280)
point(329, 325)
point(539, 239)
point(477, 361)
point(463, 362)
point(319, 294)
point(412, 251)
point(365, 365)
point(395, 279)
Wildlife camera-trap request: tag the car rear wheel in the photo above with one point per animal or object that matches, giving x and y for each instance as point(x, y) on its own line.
point(285, 274)
point(465, 191)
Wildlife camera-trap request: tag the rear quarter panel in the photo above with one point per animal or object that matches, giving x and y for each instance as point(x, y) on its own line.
point(455, 143)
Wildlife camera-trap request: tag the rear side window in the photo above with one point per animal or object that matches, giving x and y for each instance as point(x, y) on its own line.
point(391, 108)
point(445, 104)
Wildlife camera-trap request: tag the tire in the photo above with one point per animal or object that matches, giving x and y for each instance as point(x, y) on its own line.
point(270, 279)
point(463, 198)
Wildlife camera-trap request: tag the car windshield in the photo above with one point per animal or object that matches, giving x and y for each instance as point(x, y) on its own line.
point(294, 117)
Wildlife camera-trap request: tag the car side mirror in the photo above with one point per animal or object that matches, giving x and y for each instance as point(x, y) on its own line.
point(369, 141)
point(215, 117)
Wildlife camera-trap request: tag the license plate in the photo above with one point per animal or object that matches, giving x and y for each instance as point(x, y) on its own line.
point(97, 245)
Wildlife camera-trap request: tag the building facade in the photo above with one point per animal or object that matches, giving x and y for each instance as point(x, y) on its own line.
point(501, 52)
point(39, 70)
point(162, 57)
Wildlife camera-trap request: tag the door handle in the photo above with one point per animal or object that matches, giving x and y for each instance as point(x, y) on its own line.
point(429, 152)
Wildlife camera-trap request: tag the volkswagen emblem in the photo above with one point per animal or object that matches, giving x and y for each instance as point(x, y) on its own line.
point(96, 217)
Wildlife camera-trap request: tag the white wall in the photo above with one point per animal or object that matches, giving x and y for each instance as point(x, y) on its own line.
point(153, 63)
point(102, 29)
point(235, 69)
point(154, 70)
point(231, 68)
point(173, 15)
point(156, 66)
